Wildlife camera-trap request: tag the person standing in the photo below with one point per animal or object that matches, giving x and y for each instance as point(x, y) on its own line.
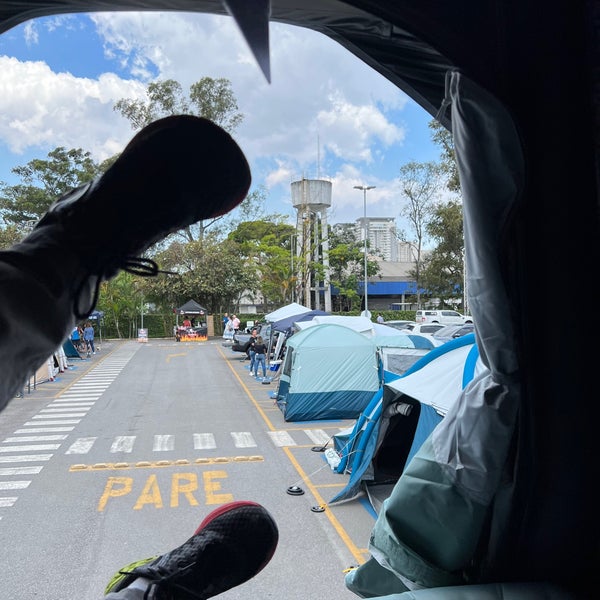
point(235, 322)
point(251, 351)
point(88, 337)
point(380, 318)
point(260, 356)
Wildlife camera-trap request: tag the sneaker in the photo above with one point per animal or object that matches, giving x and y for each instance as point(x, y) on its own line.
point(231, 545)
point(173, 173)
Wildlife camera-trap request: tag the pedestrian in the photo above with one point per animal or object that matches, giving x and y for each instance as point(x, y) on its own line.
point(225, 321)
point(260, 356)
point(380, 318)
point(88, 337)
point(251, 351)
point(235, 323)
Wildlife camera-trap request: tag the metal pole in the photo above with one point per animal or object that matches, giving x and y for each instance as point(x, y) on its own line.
point(364, 189)
point(365, 257)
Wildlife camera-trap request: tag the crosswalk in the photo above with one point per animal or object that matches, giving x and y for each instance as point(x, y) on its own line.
point(25, 452)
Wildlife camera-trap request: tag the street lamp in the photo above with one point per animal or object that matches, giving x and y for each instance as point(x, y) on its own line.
point(364, 189)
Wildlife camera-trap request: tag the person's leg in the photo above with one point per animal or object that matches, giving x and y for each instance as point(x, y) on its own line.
point(92, 346)
point(252, 355)
point(149, 192)
point(231, 545)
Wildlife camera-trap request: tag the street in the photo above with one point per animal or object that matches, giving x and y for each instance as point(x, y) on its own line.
point(124, 454)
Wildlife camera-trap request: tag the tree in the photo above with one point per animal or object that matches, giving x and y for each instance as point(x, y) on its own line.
point(442, 273)
point(443, 138)
point(346, 266)
point(209, 98)
point(209, 270)
point(119, 300)
point(420, 184)
point(42, 182)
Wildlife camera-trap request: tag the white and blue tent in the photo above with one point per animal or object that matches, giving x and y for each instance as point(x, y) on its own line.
point(329, 372)
point(400, 416)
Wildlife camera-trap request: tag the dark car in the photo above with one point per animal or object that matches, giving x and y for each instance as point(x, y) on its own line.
point(241, 339)
point(450, 332)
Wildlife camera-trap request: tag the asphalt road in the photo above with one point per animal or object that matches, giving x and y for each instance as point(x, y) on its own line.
point(124, 454)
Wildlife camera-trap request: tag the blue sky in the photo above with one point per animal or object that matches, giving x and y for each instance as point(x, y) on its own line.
point(324, 115)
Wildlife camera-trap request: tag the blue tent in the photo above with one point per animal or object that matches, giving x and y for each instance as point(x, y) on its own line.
point(400, 416)
point(329, 372)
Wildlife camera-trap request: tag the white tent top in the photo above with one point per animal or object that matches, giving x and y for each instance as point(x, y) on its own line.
point(284, 312)
point(438, 383)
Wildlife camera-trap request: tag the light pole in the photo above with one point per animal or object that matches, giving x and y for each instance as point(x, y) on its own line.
point(364, 189)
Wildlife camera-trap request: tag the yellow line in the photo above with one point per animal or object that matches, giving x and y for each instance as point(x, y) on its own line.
point(170, 356)
point(249, 393)
point(356, 552)
point(181, 462)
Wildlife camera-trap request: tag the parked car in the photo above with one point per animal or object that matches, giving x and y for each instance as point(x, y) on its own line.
point(449, 332)
point(427, 328)
point(398, 324)
point(445, 317)
point(241, 339)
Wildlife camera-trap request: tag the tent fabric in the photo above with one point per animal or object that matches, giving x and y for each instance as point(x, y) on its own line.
point(191, 307)
point(329, 372)
point(496, 73)
point(70, 350)
point(289, 310)
point(430, 387)
point(286, 324)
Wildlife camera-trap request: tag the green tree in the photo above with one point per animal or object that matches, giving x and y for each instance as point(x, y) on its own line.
point(346, 266)
point(442, 273)
point(120, 300)
point(209, 271)
point(42, 182)
point(443, 138)
point(421, 186)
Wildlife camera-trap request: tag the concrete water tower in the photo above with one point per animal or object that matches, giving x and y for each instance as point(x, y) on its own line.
point(312, 198)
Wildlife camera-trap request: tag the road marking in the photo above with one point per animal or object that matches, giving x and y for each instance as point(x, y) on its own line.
point(31, 448)
point(163, 443)
point(26, 458)
point(204, 441)
point(123, 443)
point(20, 470)
point(281, 438)
point(35, 438)
point(44, 429)
point(14, 485)
point(243, 439)
point(81, 445)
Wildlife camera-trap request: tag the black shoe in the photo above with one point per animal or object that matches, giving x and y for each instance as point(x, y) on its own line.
point(231, 545)
point(174, 172)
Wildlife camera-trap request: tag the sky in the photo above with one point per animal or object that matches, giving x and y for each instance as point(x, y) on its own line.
point(325, 114)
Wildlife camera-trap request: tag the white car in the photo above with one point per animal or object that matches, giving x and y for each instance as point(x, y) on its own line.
point(445, 317)
point(426, 328)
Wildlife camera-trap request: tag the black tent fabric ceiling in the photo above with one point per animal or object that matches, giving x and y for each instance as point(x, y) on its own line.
point(518, 84)
point(191, 307)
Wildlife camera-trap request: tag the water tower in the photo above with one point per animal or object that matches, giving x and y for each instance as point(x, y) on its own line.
point(312, 198)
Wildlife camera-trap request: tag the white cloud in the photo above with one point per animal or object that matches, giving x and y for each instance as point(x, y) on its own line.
point(44, 109)
point(325, 113)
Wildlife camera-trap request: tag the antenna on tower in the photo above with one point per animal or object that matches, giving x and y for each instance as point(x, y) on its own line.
point(318, 158)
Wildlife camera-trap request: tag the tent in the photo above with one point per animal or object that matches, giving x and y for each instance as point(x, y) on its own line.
point(518, 85)
point(290, 310)
point(191, 307)
point(397, 350)
point(328, 372)
point(286, 324)
point(400, 416)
